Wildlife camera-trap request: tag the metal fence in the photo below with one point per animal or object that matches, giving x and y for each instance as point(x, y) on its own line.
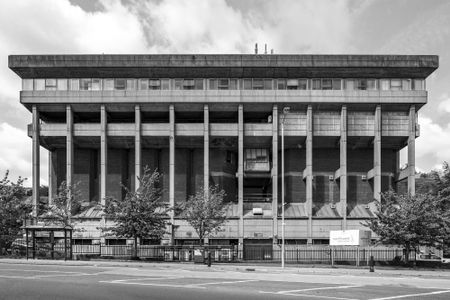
point(299, 254)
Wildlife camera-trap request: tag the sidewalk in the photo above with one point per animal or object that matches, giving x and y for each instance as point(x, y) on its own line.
point(245, 267)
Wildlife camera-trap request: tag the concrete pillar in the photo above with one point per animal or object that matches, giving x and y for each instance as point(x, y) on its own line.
point(241, 175)
point(377, 155)
point(275, 172)
point(206, 150)
point(137, 146)
point(412, 151)
point(36, 160)
point(69, 153)
point(50, 177)
point(343, 167)
point(309, 169)
point(171, 160)
point(103, 153)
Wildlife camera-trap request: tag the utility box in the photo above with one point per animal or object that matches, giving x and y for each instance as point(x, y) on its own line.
point(350, 237)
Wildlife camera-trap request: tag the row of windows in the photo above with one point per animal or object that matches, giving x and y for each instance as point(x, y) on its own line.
point(110, 84)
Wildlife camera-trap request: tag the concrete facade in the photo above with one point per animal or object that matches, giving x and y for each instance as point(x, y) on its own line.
point(216, 119)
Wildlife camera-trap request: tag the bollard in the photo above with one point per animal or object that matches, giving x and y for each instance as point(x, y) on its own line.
point(372, 264)
point(209, 258)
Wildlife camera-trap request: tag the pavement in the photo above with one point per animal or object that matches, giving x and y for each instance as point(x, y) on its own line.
point(112, 279)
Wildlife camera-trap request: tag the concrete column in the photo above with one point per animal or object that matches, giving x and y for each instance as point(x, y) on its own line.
point(206, 150)
point(50, 177)
point(309, 169)
point(412, 151)
point(171, 160)
point(137, 146)
point(69, 152)
point(103, 153)
point(241, 175)
point(343, 167)
point(36, 160)
point(275, 172)
point(377, 155)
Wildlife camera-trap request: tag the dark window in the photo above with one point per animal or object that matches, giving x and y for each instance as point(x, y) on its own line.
point(85, 84)
point(116, 242)
point(154, 84)
point(281, 84)
point(198, 84)
point(258, 84)
point(292, 84)
point(233, 84)
point(267, 84)
point(213, 84)
point(303, 84)
point(247, 84)
point(188, 84)
point(316, 84)
point(327, 84)
point(120, 84)
point(223, 84)
point(337, 84)
point(50, 84)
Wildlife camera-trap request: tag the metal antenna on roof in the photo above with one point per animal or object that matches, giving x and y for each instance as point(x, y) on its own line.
point(271, 51)
point(256, 48)
point(265, 48)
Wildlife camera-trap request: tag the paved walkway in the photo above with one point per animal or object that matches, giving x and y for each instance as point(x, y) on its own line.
point(245, 267)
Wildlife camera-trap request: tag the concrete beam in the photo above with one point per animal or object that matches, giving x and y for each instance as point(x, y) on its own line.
point(275, 171)
point(36, 160)
point(412, 151)
point(377, 155)
point(309, 170)
point(402, 174)
point(103, 153)
point(137, 146)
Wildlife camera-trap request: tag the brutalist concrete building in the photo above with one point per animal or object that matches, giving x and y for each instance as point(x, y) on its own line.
point(338, 121)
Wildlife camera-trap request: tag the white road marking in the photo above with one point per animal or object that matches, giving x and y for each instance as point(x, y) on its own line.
point(148, 278)
point(222, 282)
point(43, 271)
point(413, 295)
point(319, 288)
point(308, 296)
point(155, 284)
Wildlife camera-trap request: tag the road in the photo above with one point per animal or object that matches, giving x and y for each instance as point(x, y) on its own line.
point(178, 281)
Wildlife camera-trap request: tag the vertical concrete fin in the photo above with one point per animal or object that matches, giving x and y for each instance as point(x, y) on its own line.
point(171, 160)
point(69, 152)
point(412, 151)
point(309, 169)
point(103, 153)
point(241, 174)
point(343, 167)
point(137, 146)
point(377, 154)
point(275, 171)
point(206, 149)
point(36, 160)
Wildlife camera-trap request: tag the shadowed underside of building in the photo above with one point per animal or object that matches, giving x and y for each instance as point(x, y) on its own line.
point(338, 120)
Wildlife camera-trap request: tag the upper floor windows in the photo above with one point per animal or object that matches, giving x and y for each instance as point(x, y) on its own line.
point(129, 84)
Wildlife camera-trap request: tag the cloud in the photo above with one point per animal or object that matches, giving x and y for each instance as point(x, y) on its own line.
point(444, 105)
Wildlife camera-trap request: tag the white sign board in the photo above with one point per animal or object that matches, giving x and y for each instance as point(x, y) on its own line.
point(349, 237)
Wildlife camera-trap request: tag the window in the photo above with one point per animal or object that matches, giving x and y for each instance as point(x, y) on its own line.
point(229, 158)
point(223, 84)
point(396, 84)
point(257, 160)
point(108, 84)
point(233, 84)
point(188, 84)
point(327, 84)
point(178, 84)
point(74, 84)
point(50, 84)
point(292, 84)
point(316, 84)
point(61, 84)
point(131, 84)
point(85, 84)
point(384, 84)
point(349, 84)
point(361, 84)
point(39, 84)
point(154, 84)
point(120, 84)
point(247, 84)
point(406, 84)
point(258, 84)
point(303, 84)
point(165, 84)
point(418, 84)
point(337, 83)
point(198, 84)
point(27, 84)
point(143, 84)
point(267, 84)
point(213, 84)
point(281, 84)
point(371, 84)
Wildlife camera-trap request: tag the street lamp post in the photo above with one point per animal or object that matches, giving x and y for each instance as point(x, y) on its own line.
point(283, 250)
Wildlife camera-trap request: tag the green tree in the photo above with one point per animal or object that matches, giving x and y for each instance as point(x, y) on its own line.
point(142, 214)
point(13, 209)
point(65, 205)
point(410, 221)
point(205, 212)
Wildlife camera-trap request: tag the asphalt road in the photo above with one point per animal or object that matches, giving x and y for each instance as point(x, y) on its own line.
point(23, 281)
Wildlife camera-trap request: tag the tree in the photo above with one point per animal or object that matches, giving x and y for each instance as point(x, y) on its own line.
point(142, 214)
point(205, 212)
point(65, 205)
point(13, 209)
point(410, 221)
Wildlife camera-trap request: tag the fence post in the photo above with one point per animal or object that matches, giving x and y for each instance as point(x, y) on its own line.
point(357, 256)
point(332, 256)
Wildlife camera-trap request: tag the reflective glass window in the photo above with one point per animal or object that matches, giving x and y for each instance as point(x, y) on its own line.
point(165, 84)
point(281, 84)
point(316, 84)
point(39, 84)
point(336, 84)
point(61, 84)
point(349, 84)
point(213, 84)
point(406, 84)
point(96, 84)
point(27, 84)
point(267, 84)
point(327, 84)
point(247, 84)
point(223, 84)
point(198, 84)
point(178, 84)
point(418, 84)
point(108, 84)
point(120, 84)
point(131, 85)
point(233, 84)
point(154, 84)
point(258, 84)
point(292, 84)
point(384, 84)
point(361, 84)
point(396, 84)
point(85, 84)
point(143, 84)
point(303, 84)
point(371, 84)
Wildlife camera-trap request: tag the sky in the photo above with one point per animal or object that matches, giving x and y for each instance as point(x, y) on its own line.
point(223, 26)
